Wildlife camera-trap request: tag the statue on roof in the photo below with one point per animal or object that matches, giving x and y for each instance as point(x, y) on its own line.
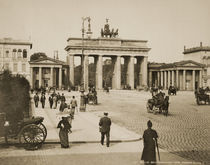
point(106, 32)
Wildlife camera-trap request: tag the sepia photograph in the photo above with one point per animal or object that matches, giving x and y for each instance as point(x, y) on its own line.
point(105, 82)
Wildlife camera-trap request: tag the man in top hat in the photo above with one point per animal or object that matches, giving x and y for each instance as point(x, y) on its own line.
point(150, 138)
point(105, 123)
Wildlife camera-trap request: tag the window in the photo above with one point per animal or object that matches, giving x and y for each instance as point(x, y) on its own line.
point(14, 53)
point(46, 71)
point(6, 66)
point(19, 53)
point(7, 53)
point(15, 67)
point(24, 53)
point(24, 67)
point(0, 53)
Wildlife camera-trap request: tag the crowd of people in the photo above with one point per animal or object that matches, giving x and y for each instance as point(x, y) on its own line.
point(65, 124)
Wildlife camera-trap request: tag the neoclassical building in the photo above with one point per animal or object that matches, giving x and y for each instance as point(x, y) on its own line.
point(15, 56)
point(200, 54)
point(109, 45)
point(189, 74)
point(48, 72)
point(185, 75)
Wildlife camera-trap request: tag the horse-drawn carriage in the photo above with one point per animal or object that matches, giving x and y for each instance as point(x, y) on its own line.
point(202, 97)
point(172, 90)
point(158, 104)
point(31, 133)
point(92, 98)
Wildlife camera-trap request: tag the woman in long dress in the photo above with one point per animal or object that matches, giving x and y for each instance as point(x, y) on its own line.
point(150, 138)
point(63, 133)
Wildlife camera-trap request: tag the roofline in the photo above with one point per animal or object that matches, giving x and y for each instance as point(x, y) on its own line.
point(122, 48)
point(16, 43)
point(100, 38)
point(196, 49)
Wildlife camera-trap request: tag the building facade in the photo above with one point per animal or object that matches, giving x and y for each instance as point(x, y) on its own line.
point(200, 54)
point(15, 56)
point(48, 72)
point(185, 75)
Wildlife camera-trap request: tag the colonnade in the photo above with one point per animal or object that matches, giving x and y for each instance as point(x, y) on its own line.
point(184, 79)
point(116, 63)
point(37, 74)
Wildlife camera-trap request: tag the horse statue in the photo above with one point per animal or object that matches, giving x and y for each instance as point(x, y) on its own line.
point(106, 32)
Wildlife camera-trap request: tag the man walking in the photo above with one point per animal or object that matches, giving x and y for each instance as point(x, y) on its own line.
point(36, 100)
point(73, 105)
point(51, 101)
point(43, 100)
point(150, 141)
point(104, 124)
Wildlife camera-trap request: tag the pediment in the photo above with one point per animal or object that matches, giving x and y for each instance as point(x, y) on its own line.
point(45, 62)
point(190, 64)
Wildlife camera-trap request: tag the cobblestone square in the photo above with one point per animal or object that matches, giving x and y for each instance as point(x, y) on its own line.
point(186, 130)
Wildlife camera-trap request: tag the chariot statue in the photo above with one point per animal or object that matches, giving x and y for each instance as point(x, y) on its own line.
point(106, 32)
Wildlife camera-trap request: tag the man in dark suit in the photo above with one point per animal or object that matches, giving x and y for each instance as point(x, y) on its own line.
point(105, 123)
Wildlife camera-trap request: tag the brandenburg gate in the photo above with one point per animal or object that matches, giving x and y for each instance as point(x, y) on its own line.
point(109, 45)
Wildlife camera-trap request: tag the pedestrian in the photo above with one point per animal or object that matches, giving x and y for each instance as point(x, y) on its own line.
point(36, 100)
point(54, 102)
point(63, 105)
point(58, 97)
point(63, 98)
point(104, 128)
point(43, 98)
point(51, 101)
point(150, 140)
point(73, 105)
point(65, 128)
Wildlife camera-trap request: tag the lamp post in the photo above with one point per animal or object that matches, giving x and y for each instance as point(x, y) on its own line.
point(82, 57)
point(83, 85)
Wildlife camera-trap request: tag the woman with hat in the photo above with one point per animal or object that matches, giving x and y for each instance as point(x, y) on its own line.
point(150, 138)
point(65, 128)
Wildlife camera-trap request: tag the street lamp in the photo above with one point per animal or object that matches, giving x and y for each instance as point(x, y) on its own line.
point(83, 86)
point(82, 57)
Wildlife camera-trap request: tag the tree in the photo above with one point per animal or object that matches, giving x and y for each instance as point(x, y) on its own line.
point(37, 56)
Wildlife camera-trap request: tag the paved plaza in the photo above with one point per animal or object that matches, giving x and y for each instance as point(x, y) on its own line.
point(185, 132)
point(183, 135)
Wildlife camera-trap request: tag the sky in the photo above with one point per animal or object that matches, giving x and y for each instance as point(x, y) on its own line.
point(167, 25)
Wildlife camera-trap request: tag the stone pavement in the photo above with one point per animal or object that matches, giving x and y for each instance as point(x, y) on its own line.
point(84, 139)
point(85, 129)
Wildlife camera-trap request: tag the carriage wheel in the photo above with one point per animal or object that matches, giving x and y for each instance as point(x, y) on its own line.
point(31, 136)
point(42, 126)
point(149, 107)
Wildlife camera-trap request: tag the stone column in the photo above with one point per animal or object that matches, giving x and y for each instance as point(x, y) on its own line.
point(161, 78)
point(169, 78)
point(116, 80)
point(144, 71)
point(32, 78)
point(158, 79)
point(184, 80)
point(177, 78)
point(172, 78)
point(60, 78)
point(51, 76)
point(99, 72)
point(150, 78)
point(200, 78)
point(193, 80)
point(71, 67)
point(165, 79)
point(40, 77)
point(130, 72)
point(85, 69)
